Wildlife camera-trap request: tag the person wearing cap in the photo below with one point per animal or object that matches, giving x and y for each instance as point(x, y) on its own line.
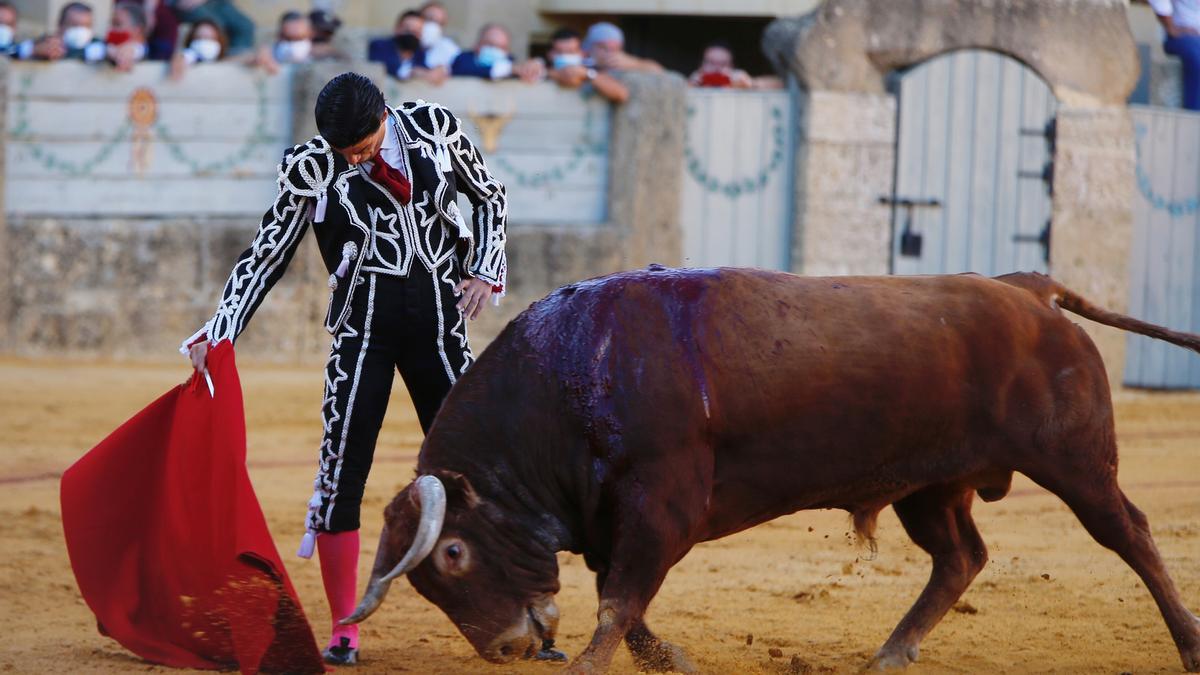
point(569, 68)
point(325, 26)
point(605, 45)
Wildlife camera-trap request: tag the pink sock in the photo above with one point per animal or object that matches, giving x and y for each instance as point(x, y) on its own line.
point(339, 571)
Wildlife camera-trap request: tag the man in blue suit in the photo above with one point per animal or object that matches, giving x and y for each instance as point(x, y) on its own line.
point(402, 53)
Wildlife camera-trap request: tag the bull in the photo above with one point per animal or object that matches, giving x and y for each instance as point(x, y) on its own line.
point(630, 417)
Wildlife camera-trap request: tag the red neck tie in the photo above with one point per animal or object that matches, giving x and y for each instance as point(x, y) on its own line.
point(395, 181)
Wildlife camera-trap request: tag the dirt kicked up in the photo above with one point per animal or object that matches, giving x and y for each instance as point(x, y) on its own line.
point(795, 595)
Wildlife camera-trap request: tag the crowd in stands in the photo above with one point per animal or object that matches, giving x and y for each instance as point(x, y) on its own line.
point(418, 48)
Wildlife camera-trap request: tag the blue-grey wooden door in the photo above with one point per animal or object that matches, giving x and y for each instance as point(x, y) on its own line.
point(973, 152)
point(1164, 285)
point(735, 202)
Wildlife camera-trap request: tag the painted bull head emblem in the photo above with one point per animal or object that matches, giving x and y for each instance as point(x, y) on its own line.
point(490, 126)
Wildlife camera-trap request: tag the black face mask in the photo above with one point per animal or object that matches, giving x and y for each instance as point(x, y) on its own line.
point(407, 42)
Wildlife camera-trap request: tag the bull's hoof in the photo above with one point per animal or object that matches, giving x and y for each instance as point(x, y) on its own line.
point(897, 658)
point(1191, 657)
point(663, 657)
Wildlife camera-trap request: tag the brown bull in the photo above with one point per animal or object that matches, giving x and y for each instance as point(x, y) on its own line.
point(629, 418)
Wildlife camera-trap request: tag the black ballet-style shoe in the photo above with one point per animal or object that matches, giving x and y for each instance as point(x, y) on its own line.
point(342, 654)
point(549, 653)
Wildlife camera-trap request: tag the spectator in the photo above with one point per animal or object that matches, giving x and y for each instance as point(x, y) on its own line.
point(605, 44)
point(491, 59)
point(325, 26)
point(8, 28)
point(294, 43)
point(570, 69)
point(1181, 21)
point(440, 50)
point(164, 30)
point(205, 43)
point(716, 69)
point(234, 24)
point(402, 54)
point(75, 38)
point(127, 35)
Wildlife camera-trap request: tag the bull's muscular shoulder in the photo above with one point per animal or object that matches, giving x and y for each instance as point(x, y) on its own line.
point(307, 168)
point(430, 119)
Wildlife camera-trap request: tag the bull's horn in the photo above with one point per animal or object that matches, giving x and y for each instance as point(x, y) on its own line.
point(431, 499)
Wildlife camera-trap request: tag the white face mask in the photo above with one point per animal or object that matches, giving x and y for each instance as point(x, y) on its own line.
point(293, 51)
point(6, 35)
point(206, 49)
point(567, 60)
point(430, 34)
point(77, 37)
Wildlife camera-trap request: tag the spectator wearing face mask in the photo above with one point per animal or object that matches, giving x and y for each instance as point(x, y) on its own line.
point(205, 43)
point(717, 70)
point(127, 36)
point(402, 54)
point(605, 44)
point(294, 43)
point(569, 68)
point(491, 59)
point(8, 28)
point(325, 26)
point(237, 27)
point(74, 39)
point(440, 50)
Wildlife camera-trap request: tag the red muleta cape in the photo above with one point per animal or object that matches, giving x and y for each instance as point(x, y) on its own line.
point(169, 545)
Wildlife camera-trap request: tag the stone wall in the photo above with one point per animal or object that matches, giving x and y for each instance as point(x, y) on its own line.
point(847, 151)
point(842, 53)
point(133, 284)
point(1094, 185)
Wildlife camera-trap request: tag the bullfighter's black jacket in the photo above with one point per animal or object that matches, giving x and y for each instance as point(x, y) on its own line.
point(317, 185)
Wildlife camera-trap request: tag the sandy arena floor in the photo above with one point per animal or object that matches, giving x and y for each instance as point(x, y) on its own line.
point(1050, 600)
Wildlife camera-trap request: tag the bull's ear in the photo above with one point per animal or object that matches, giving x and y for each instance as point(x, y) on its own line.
point(458, 489)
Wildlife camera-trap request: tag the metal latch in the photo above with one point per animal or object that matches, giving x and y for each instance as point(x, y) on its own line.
point(911, 241)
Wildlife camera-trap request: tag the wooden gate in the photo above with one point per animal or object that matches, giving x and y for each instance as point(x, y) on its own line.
point(737, 187)
point(973, 167)
point(1165, 258)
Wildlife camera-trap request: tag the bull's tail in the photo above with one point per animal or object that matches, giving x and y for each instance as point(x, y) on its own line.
point(1057, 295)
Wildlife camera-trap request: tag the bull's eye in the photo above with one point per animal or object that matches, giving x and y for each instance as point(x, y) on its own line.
point(453, 557)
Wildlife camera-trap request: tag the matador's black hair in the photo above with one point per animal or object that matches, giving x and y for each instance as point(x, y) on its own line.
point(349, 109)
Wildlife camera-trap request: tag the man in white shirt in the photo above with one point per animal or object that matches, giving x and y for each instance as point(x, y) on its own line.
point(440, 50)
point(1181, 21)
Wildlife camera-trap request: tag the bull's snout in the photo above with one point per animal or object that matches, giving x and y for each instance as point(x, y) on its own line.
point(539, 622)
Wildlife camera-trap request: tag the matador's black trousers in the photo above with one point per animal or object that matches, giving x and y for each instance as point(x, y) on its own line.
point(410, 325)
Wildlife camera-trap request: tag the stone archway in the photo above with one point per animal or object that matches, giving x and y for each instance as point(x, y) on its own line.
point(841, 54)
point(1082, 48)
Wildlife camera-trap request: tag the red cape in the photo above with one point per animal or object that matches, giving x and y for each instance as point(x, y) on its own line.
point(169, 545)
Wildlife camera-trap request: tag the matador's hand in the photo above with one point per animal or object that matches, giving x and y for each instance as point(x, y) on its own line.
point(475, 294)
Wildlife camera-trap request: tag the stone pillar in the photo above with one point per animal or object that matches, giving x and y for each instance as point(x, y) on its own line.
point(7, 266)
point(1092, 216)
point(845, 162)
point(646, 169)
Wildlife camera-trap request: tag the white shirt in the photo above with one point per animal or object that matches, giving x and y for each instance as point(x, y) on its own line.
point(442, 53)
point(390, 150)
point(1185, 13)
